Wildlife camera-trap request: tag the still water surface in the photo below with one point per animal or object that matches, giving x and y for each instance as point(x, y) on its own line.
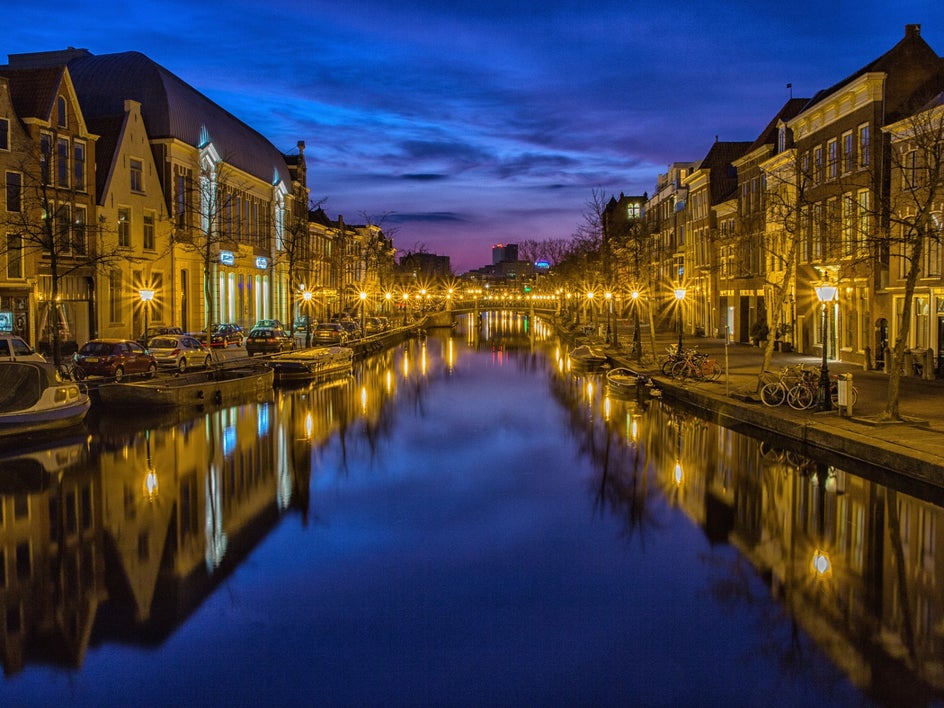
point(464, 521)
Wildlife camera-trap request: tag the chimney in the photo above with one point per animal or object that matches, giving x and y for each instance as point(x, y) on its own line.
point(912, 30)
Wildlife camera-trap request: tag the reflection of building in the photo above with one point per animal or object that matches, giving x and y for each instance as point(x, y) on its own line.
point(52, 559)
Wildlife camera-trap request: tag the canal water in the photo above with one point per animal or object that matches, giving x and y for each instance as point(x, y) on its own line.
point(468, 519)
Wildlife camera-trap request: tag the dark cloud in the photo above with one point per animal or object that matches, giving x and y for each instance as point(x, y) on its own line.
point(486, 121)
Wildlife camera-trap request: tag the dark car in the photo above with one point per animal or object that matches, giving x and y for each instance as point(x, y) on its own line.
point(329, 333)
point(268, 323)
point(269, 340)
point(222, 335)
point(113, 357)
point(352, 328)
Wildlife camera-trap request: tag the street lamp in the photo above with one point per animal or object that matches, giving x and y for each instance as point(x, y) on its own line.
point(306, 296)
point(826, 293)
point(146, 295)
point(609, 313)
point(363, 305)
point(637, 347)
point(679, 299)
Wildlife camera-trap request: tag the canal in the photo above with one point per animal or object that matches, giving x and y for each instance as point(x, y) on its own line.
point(466, 520)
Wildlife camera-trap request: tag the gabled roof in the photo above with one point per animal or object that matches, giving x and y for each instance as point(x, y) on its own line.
point(723, 175)
point(170, 107)
point(33, 91)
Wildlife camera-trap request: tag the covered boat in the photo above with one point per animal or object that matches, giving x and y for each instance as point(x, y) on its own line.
point(309, 364)
point(33, 397)
point(215, 386)
point(587, 357)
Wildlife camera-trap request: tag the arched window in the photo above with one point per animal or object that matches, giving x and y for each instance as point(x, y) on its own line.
point(61, 110)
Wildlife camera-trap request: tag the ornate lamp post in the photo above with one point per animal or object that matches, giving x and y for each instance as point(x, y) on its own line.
point(306, 296)
point(147, 295)
point(637, 347)
point(679, 299)
point(826, 294)
point(609, 313)
point(363, 297)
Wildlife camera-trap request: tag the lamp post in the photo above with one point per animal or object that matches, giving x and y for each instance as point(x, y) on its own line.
point(363, 296)
point(147, 295)
point(306, 296)
point(609, 313)
point(826, 294)
point(679, 299)
point(637, 348)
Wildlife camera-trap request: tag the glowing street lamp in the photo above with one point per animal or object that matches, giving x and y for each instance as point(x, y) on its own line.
point(637, 347)
point(609, 315)
point(679, 299)
point(363, 297)
point(146, 295)
point(306, 296)
point(826, 294)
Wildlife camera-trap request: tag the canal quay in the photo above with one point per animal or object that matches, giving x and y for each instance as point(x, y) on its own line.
point(467, 519)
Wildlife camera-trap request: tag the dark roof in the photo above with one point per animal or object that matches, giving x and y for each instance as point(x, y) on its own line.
point(723, 175)
point(170, 107)
point(913, 69)
point(33, 91)
point(769, 134)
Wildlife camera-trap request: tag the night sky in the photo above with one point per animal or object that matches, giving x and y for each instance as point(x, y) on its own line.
point(465, 124)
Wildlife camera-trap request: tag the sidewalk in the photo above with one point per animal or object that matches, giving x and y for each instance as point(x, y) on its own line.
point(914, 448)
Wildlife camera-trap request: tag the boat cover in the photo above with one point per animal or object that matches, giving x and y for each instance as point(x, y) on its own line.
point(21, 385)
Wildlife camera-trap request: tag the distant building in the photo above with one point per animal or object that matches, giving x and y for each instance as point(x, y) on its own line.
point(503, 253)
point(425, 266)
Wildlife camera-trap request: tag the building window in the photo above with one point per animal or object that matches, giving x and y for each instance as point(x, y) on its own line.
point(4, 134)
point(864, 205)
point(832, 166)
point(79, 238)
point(14, 256)
point(181, 200)
point(45, 156)
point(64, 229)
point(78, 167)
point(124, 227)
point(114, 296)
point(137, 175)
point(848, 156)
point(62, 162)
point(864, 157)
point(909, 170)
point(818, 164)
point(14, 191)
point(149, 232)
point(633, 210)
point(61, 111)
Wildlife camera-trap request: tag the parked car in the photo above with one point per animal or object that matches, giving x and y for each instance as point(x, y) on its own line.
point(374, 325)
point(222, 335)
point(13, 348)
point(179, 351)
point(112, 357)
point(154, 332)
point(352, 328)
point(269, 340)
point(331, 333)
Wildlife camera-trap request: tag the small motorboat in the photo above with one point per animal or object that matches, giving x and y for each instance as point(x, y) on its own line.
point(622, 381)
point(33, 397)
point(587, 357)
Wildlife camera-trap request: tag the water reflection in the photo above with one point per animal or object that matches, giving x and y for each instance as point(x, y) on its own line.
point(121, 532)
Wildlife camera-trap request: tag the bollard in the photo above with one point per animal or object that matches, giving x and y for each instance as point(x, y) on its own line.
point(845, 394)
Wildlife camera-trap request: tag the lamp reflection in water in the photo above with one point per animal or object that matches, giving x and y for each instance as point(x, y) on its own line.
point(151, 487)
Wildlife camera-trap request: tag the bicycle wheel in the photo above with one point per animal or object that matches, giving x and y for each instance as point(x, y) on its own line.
point(667, 366)
point(679, 369)
point(714, 372)
point(800, 397)
point(773, 394)
point(834, 395)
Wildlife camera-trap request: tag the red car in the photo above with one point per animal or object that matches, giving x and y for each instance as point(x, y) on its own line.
point(115, 358)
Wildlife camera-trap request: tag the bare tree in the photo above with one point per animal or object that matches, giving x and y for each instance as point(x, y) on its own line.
point(915, 225)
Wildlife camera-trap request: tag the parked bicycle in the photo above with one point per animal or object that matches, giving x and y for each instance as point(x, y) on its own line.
point(798, 386)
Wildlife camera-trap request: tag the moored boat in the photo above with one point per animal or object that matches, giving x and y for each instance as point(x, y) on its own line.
point(622, 381)
point(33, 397)
point(214, 386)
point(314, 363)
point(587, 357)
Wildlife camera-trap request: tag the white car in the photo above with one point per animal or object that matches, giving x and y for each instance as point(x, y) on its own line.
point(13, 348)
point(179, 351)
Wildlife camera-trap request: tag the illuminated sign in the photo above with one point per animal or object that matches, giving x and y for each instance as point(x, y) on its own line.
point(542, 265)
point(227, 258)
point(262, 262)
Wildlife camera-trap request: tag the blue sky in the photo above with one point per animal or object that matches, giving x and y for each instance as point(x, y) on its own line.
point(465, 124)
